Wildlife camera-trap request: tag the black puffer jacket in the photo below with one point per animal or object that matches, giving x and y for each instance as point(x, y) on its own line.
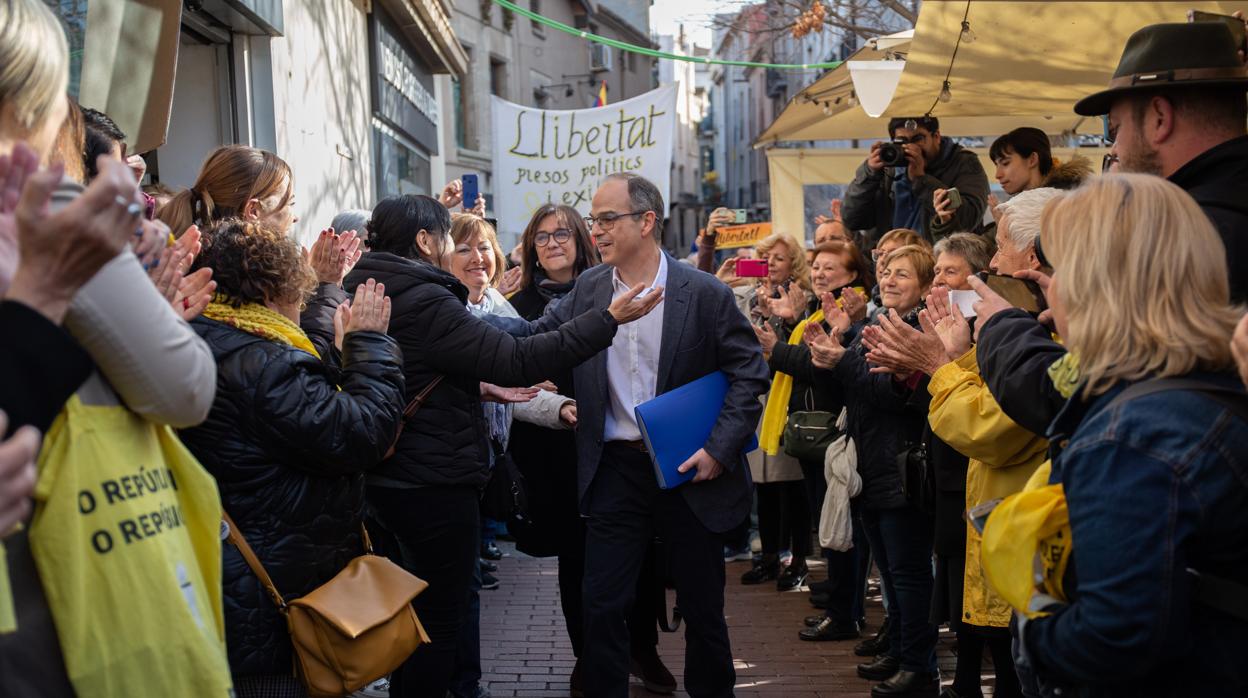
point(288, 450)
point(883, 419)
point(445, 442)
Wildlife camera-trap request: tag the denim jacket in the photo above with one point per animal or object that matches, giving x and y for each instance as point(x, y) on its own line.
point(1155, 485)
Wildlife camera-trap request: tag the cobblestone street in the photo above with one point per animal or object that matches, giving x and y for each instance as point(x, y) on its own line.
point(525, 650)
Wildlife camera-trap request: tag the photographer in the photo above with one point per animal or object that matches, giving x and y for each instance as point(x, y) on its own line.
point(894, 188)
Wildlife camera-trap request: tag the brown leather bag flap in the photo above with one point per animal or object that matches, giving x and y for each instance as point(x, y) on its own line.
point(367, 593)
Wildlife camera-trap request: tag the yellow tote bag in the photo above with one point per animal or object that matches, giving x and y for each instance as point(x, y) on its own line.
point(126, 536)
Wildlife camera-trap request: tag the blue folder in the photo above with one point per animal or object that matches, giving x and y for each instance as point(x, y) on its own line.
point(677, 423)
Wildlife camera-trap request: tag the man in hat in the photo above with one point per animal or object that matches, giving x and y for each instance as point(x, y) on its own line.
point(1176, 108)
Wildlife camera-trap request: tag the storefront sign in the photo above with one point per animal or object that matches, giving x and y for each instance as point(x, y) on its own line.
point(746, 235)
point(402, 85)
point(562, 156)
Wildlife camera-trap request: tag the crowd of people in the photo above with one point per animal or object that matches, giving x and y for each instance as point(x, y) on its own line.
point(1027, 416)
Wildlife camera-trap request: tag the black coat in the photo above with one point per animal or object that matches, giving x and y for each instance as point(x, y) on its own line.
point(884, 420)
point(446, 442)
point(1216, 179)
point(1015, 353)
point(547, 458)
point(288, 450)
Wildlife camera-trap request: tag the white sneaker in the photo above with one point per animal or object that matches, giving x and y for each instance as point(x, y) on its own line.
point(377, 689)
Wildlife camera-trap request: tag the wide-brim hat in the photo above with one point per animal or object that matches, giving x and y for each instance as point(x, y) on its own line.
point(1195, 54)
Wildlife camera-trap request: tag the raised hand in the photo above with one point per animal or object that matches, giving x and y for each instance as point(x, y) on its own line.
point(478, 207)
point(836, 207)
point(728, 270)
point(370, 309)
point(940, 199)
point(786, 307)
point(167, 275)
point(945, 318)
point(62, 251)
point(342, 318)
point(629, 307)
point(993, 203)
point(833, 312)
point(333, 255)
point(452, 194)
point(897, 345)
point(854, 303)
point(506, 396)
point(152, 239)
point(194, 293)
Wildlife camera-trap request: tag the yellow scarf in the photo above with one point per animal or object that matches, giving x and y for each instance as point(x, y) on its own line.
point(776, 414)
point(256, 319)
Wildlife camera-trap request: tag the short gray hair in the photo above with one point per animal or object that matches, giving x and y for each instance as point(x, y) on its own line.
point(1024, 211)
point(351, 219)
point(34, 61)
point(644, 196)
point(975, 249)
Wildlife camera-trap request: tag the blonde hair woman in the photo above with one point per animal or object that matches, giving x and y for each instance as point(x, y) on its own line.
point(1152, 471)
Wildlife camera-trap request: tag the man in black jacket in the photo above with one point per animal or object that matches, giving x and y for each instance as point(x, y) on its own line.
point(883, 197)
point(1176, 108)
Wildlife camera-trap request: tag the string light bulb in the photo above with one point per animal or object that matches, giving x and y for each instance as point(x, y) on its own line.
point(945, 93)
point(968, 34)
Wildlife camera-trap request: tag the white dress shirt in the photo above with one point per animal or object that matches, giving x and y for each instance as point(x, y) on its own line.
point(633, 362)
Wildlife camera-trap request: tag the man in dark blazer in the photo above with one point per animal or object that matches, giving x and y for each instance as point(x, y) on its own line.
point(695, 331)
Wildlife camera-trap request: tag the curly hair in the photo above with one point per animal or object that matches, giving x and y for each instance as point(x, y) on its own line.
point(254, 264)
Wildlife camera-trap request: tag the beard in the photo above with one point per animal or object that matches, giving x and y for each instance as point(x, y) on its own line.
point(1139, 157)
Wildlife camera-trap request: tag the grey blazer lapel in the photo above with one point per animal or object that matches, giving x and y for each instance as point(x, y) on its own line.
point(675, 312)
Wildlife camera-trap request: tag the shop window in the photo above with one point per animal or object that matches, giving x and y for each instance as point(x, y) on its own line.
point(402, 167)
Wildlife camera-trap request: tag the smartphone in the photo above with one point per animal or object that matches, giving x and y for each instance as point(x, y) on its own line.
point(1235, 24)
point(752, 268)
point(977, 515)
point(472, 190)
point(738, 215)
point(955, 198)
point(1020, 293)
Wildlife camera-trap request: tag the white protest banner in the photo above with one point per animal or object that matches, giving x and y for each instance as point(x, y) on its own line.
point(561, 156)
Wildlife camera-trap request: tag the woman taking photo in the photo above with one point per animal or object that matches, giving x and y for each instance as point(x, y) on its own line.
point(1153, 471)
point(426, 495)
point(289, 437)
point(885, 422)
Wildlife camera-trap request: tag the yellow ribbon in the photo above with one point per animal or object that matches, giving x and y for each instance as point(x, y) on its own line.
point(256, 319)
point(776, 415)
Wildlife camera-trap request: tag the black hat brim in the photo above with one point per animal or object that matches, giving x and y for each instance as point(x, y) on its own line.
point(1099, 104)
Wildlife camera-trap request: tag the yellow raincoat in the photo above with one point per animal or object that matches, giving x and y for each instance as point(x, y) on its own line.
point(1002, 455)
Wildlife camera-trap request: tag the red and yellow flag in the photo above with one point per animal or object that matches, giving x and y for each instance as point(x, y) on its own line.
point(602, 95)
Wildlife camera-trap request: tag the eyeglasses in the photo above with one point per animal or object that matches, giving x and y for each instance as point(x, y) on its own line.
point(607, 220)
point(1108, 162)
point(559, 236)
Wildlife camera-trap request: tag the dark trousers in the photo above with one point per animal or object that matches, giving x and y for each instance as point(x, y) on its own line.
point(625, 509)
point(436, 532)
point(784, 518)
point(816, 487)
point(901, 541)
point(467, 675)
point(643, 630)
point(848, 572)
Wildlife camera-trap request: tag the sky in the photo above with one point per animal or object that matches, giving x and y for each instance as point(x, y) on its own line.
point(666, 17)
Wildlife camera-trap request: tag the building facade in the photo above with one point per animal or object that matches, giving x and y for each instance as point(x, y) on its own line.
point(687, 208)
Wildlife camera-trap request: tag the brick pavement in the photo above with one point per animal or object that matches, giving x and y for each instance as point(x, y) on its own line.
point(525, 650)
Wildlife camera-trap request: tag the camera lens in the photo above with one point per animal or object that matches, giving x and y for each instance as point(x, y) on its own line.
point(892, 155)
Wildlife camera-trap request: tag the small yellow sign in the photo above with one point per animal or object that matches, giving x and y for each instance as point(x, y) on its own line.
point(746, 235)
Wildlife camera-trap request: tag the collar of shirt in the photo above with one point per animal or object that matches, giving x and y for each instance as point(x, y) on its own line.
point(660, 278)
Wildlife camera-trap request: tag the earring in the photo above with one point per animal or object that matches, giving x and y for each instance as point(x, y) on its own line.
point(539, 264)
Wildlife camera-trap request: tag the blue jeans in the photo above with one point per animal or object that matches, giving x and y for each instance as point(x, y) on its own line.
point(901, 542)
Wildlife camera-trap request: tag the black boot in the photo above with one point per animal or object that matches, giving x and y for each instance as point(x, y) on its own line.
point(650, 669)
point(829, 630)
point(884, 667)
point(765, 570)
point(876, 645)
point(794, 575)
point(812, 621)
point(909, 684)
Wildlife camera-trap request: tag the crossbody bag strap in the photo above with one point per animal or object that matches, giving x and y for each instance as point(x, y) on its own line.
point(236, 537)
point(1232, 399)
point(414, 406)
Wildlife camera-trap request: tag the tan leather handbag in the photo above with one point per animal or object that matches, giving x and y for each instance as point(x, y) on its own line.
point(353, 629)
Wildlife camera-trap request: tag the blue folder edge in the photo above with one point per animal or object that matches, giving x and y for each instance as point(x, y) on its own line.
point(710, 390)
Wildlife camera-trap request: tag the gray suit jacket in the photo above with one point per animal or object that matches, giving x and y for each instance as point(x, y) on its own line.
point(702, 332)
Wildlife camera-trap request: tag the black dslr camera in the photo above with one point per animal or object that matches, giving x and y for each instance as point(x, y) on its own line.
point(893, 154)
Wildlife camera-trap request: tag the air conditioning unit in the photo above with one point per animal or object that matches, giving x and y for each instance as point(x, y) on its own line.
point(600, 57)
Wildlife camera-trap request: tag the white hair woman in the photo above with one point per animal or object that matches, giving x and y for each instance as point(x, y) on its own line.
point(1155, 447)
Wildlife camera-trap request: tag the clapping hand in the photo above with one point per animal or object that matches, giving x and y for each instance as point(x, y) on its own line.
point(834, 314)
point(898, 348)
point(766, 337)
point(512, 278)
point(17, 473)
point(825, 351)
point(950, 325)
point(855, 304)
point(788, 306)
point(369, 311)
point(152, 242)
point(333, 255)
point(506, 396)
point(630, 307)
